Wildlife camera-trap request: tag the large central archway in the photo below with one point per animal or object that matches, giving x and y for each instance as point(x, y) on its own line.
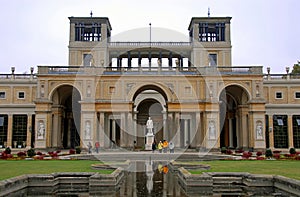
point(149, 103)
point(66, 115)
point(234, 117)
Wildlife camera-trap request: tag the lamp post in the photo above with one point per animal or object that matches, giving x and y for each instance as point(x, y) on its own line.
point(150, 33)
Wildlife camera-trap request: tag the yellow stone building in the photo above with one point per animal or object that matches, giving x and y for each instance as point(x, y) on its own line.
point(194, 95)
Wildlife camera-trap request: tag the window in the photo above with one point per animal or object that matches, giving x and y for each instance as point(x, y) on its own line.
point(297, 95)
point(21, 95)
point(296, 131)
point(19, 131)
point(212, 59)
point(87, 32)
point(2, 95)
point(278, 95)
point(3, 130)
point(87, 59)
point(280, 131)
point(211, 32)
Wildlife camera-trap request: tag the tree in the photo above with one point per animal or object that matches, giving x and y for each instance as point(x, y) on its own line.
point(296, 68)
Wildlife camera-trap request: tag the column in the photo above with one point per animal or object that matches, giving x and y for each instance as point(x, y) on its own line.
point(196, 32)
point(237, 132)
point(199, 137)
point(170, 128)
point(290, 131)
point(129, 130)
point(227, 32)
point(123, 136)
point(149, 59)
point(113, 132)
point(271, 131)
point(186, 134)
point(9, 130)
point(101, 129)
point(230, 133)
point(69, 130)
point(176, 129)
point(29, 130)
point(170, 60)
point(165, 125)
point(135, 126)
point(129, 59)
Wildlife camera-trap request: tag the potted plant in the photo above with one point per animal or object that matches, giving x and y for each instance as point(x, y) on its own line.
point(78, 149)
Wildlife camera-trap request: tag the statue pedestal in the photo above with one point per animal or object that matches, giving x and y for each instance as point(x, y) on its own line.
point(149, 141)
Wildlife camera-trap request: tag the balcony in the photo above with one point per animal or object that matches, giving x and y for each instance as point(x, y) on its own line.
point(92, 70)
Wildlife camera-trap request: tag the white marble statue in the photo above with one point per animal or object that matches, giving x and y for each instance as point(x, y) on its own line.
point(211, 130)
point(41, 131)
point(149, 126)
point(87, 130)
point(259, 131)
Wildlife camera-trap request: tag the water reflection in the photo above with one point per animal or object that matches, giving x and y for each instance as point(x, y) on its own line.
point(150, 178)
point(144, 178)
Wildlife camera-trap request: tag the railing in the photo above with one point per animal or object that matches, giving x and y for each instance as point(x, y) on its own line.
point(17, 76)
point(145, 44)
point(60, 70)
point(280, 77)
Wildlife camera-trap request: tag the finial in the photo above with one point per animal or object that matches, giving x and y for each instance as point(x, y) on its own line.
point(91, 13)
point(208, 13)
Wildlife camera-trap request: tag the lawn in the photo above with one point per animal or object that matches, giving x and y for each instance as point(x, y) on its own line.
point(15, 168)
point(288, 168)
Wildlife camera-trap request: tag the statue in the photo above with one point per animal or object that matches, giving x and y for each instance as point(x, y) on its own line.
point(149, 126)
point(41, 131)
point(87, 130)
point(259, 131)
point(211, 130)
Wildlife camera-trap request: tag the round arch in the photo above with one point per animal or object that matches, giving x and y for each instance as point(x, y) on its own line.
point(66, 116)
point(163, 90)
point(234, 113)
point(234, 89)
point(54, 90)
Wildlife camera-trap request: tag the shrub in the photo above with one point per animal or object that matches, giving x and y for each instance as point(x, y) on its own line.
point(292, 151)
point(223, 150)
point(269, 153)
point(276, 155)
point(258, 153)
point(260, 158)
point(21, 154)
point(78, 150)
point(31, 152)
point(228, 151)
point(239, 151)
point(246, 155)
point(72, 151)
point(39, 153)
point(7, 150)
point(276, 151)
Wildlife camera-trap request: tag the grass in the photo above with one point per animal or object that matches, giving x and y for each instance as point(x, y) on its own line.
point(288, 168)
point(10, 169)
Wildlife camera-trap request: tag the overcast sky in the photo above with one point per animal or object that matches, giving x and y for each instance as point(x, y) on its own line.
point(36, 32)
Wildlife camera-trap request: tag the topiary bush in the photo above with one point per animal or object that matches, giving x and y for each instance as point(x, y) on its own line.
point(223, 150)
point(31, 152)
point(269, 153)
point(292, 151)
point(78, 150)
point(7, 150)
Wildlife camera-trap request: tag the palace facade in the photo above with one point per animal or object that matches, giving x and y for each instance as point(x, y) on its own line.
point(193, 94)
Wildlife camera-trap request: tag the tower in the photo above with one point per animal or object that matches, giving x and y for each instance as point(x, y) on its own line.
point(211, 41)
point(87, 42)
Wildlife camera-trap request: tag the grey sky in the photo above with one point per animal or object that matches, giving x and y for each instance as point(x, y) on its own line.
point(35, 32)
